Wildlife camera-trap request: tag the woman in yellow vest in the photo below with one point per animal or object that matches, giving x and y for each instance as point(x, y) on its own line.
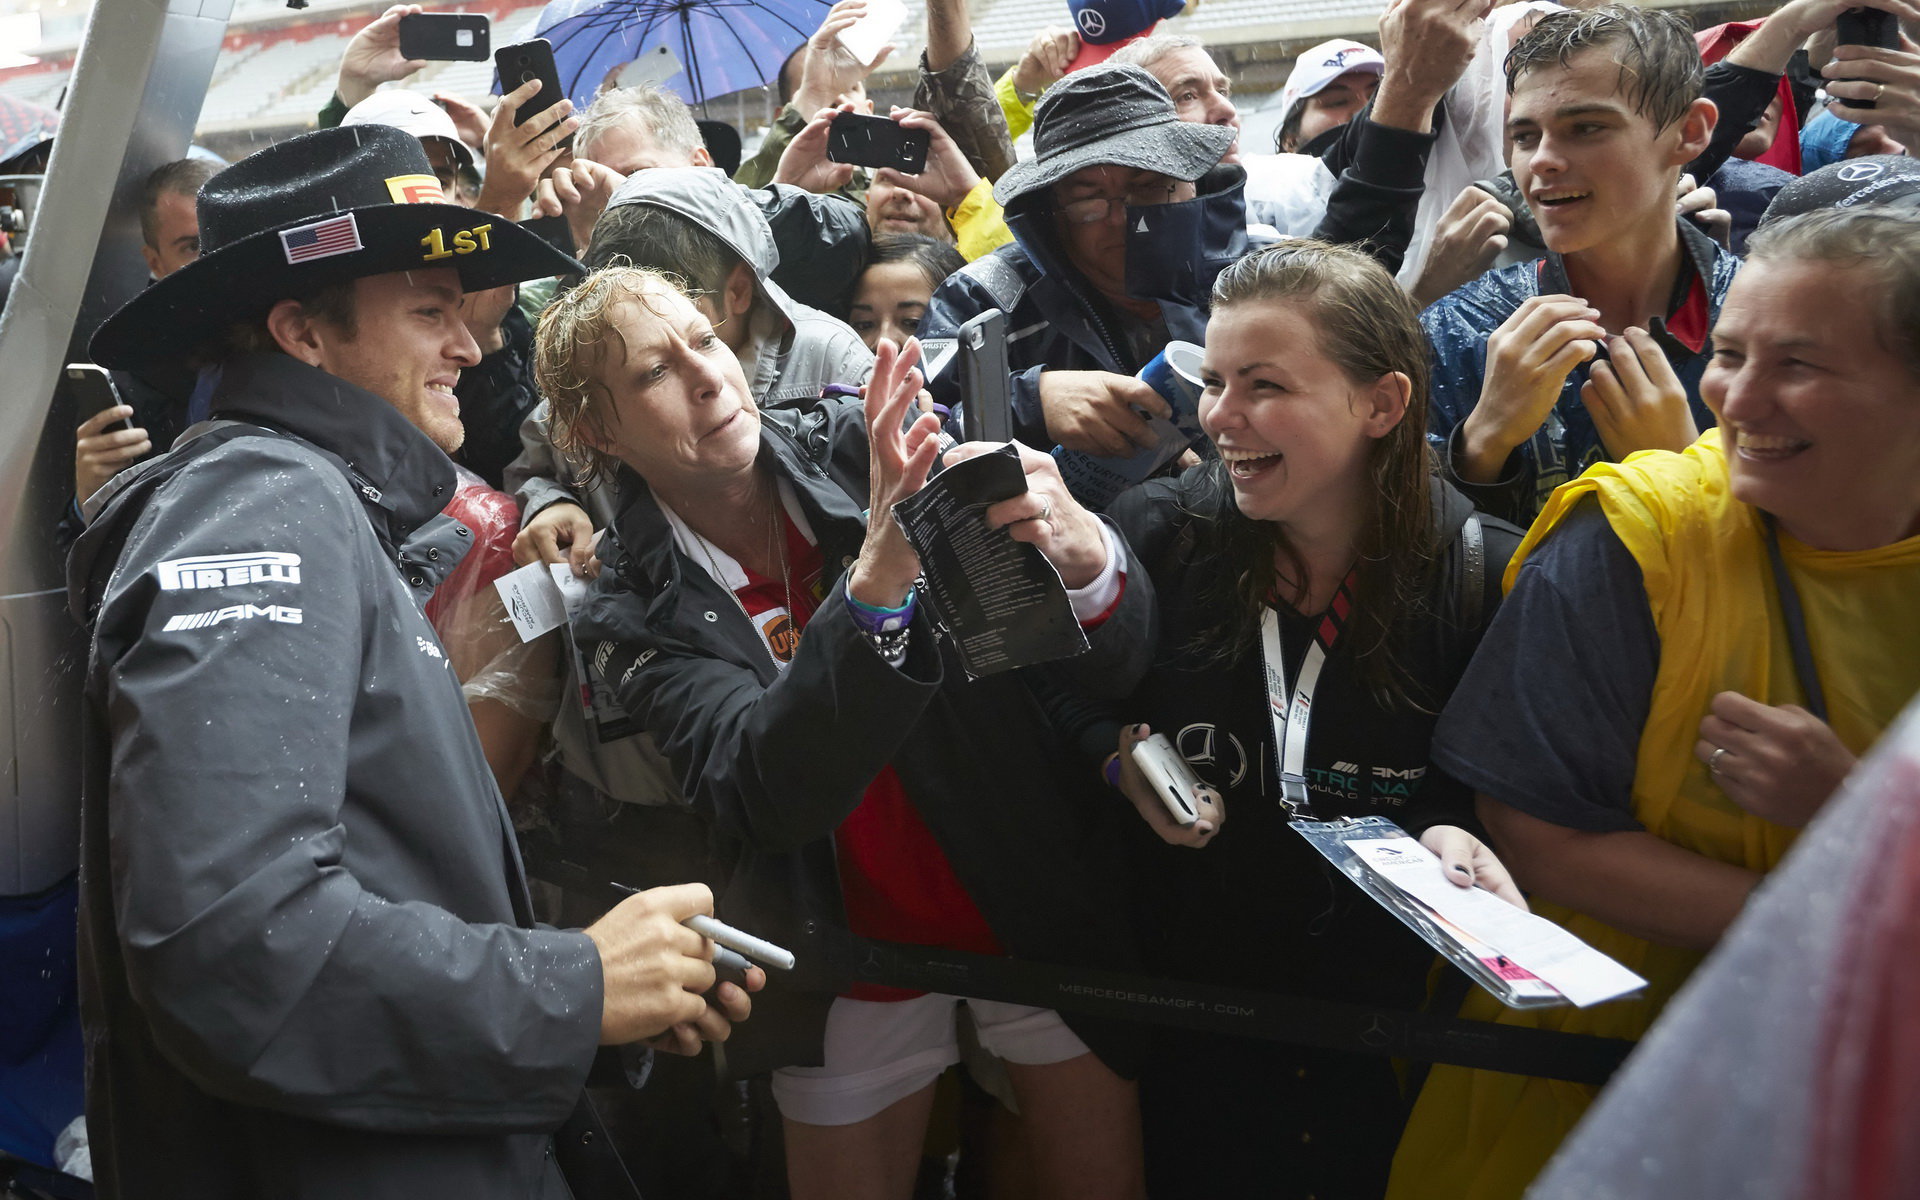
point(1693, 650)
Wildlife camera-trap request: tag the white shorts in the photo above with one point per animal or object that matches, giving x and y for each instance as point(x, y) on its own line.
point(878, 1053)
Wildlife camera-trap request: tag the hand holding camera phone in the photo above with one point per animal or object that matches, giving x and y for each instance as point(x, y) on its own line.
point(94, 393)
point(526, 61)
point(1172, 779)
point(877, 142)
point(446, 37)
point(1867, 27)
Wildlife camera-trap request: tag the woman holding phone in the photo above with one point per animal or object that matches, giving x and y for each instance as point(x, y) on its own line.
point(1317, 563)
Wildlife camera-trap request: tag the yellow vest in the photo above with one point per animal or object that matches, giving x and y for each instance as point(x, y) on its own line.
point(1478, 1135)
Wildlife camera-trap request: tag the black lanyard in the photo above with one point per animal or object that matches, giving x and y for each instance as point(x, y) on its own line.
point(1796, 621)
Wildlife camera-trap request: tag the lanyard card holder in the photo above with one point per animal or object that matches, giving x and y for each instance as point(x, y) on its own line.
point(1511, 984)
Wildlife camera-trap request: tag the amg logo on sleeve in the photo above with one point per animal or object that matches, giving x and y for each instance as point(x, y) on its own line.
point(228, 570)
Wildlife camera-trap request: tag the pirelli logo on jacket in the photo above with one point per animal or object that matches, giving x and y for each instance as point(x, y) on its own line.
point(228, 570)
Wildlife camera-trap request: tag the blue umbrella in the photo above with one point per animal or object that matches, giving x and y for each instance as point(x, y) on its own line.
point(723, 46)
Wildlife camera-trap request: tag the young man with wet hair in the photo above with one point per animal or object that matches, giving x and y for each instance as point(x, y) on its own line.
point(1596, 350)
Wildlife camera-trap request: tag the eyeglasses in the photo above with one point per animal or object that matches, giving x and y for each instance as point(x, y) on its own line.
point(1098, 208)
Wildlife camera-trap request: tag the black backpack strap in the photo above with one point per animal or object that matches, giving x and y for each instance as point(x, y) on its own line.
point(1472, 598)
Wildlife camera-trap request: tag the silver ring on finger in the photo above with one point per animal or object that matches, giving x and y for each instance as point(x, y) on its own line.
point(1879, 90)
point(1046, 509)
point(1713, 760)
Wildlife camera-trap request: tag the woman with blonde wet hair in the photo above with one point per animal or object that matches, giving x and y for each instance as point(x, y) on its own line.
point(770, 638)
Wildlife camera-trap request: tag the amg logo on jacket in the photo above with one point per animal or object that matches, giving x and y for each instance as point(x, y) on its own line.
point(228, 570)
point(233, 612)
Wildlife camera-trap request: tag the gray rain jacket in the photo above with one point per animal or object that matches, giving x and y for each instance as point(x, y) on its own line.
point(308, 965)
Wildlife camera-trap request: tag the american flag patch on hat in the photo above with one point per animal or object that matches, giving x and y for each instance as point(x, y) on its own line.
point(322, 239)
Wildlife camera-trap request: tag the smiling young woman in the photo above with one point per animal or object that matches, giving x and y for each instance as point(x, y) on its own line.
point(1322, 527)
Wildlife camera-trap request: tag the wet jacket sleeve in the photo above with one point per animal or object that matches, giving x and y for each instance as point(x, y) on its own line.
point(963, 99)
point(979, 223)
point(538, 478)
point(822, 242)
point(269, 973)
point(758, 171)
point(1459, 363)
point(1742, 95)
point(780, 764)
point(1013, 106)
point(1373, 204)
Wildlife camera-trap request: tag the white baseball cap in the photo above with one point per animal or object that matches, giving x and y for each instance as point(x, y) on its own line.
point(1321, 65)
point(412, 113)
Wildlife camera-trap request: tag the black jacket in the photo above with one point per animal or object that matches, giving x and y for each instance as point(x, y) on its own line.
point(822, 241)
point(1318, 934)
point(308, 965)
point(776, 760)
point(495, 397)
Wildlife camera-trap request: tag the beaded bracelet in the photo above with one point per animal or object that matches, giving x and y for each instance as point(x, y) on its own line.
point(891, 646)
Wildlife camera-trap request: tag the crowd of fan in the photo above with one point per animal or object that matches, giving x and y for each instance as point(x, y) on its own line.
point(1568, 356)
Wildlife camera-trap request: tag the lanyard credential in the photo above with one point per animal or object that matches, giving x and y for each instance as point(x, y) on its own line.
point(1291, 716)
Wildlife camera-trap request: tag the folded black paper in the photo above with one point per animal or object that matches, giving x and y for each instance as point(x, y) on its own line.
point(1001, 602)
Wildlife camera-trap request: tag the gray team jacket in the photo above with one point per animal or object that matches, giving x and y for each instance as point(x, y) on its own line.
point(308, 965)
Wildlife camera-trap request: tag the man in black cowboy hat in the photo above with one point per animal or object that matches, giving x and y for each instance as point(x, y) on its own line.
point(1120, 223)
point(308, 960)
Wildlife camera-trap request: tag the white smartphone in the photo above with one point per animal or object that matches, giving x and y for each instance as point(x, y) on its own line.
point(865, 38)
point(1171, 778)
point(655, 66)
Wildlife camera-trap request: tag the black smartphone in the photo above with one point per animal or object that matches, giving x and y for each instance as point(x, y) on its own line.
point(523, 61)
point(986, 412)
point(93, 392)
point(877, 142)
point(1867, 27)
point(461, 37)
point(554, 231)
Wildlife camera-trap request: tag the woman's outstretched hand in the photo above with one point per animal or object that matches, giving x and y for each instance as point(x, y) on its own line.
point(899, 459)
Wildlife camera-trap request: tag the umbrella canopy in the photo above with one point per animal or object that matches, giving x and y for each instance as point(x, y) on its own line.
point(723, 45)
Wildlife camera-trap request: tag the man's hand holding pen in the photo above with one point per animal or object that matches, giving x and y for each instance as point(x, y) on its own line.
point(658, 981)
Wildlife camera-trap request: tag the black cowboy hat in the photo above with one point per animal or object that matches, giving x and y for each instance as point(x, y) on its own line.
point(322, 208)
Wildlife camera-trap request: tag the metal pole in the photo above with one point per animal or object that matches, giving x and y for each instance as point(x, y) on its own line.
point(135, 94)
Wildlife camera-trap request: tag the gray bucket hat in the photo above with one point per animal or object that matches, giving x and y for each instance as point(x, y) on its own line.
point(1113, 113)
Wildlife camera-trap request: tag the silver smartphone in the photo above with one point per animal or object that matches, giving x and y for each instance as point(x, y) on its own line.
point(1172, 779)
point(93, 392)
